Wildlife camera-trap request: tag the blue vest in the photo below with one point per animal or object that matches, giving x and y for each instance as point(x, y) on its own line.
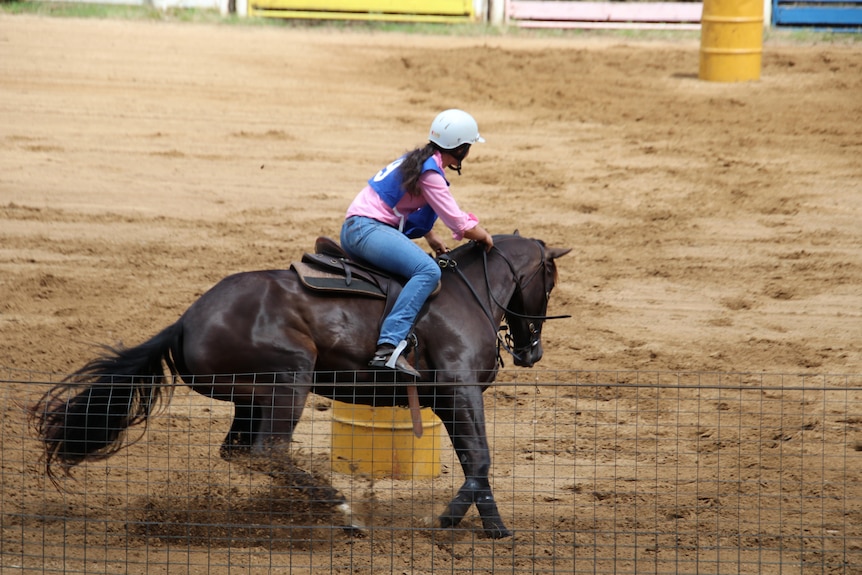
point(387, 184)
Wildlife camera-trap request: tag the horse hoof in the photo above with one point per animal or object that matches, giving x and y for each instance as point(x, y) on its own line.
point(354, 532)
point(352, 526)
point(497, 532)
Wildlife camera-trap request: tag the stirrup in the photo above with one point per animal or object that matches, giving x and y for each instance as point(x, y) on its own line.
point(392, 359)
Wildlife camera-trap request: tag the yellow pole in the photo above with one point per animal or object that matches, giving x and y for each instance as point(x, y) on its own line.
point(731, 40)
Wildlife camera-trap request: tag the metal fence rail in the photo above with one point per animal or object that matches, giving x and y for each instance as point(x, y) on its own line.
point(595, 472)
point(837, 14)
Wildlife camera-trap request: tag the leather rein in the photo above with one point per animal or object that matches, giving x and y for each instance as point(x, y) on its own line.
point(505, 341)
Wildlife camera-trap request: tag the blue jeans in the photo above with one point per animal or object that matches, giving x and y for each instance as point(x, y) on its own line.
point(366, 239)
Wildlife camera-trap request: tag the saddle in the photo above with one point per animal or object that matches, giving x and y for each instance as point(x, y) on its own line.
point(330, 270)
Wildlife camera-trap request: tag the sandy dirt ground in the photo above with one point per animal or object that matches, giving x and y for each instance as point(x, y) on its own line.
point(715, 229)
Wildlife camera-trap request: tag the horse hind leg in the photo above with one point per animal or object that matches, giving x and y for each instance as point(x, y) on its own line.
point(318, 491)
point(279, 413)
point(287, 476)
point(241, 437)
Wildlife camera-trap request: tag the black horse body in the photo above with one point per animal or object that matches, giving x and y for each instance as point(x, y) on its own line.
point(264, 342)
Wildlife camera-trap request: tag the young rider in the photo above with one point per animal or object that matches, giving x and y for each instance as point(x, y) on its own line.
point(402, 202)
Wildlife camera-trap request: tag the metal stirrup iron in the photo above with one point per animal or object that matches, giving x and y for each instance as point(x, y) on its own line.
point(396, 353)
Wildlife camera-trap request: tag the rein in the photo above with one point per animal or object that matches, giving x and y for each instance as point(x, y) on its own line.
point(520, 287)
point(506, 342)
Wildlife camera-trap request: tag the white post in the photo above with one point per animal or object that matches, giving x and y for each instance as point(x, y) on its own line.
point(498, 12)
point(480, 10)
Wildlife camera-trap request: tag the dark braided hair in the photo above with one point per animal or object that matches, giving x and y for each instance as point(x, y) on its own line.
point(411, 167)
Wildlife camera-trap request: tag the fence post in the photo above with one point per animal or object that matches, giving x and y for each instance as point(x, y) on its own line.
point(497, 12)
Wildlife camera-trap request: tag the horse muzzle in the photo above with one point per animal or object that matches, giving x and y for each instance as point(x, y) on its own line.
point(528, 356)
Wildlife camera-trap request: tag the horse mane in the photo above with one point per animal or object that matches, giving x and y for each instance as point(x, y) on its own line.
point(473, 246)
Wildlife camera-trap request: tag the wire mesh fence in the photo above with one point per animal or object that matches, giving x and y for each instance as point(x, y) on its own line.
point(627, 472)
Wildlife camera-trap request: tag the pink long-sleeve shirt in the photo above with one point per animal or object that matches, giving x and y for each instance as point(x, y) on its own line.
point(435, 193)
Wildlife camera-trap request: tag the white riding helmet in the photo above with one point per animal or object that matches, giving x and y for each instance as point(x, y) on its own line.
point(453, 128)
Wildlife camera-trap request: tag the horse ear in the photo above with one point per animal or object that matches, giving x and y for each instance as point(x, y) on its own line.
point(516, 233)
point(554, 253)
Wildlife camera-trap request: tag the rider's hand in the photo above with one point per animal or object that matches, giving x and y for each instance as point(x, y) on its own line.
point(436, 243)
point(479, 234)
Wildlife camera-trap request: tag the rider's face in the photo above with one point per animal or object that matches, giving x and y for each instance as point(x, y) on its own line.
point(449, 158)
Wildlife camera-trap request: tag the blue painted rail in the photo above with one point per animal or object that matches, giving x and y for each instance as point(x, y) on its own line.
point(817, 13)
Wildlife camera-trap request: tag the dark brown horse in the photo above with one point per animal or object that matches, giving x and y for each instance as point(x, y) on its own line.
point(275, 341)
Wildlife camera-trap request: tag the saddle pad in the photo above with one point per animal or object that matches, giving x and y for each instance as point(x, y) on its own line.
point(320, 280)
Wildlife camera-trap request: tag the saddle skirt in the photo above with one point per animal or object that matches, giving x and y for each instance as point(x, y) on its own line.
point(330, 269)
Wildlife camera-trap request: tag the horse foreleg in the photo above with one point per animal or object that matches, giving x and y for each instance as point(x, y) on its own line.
point(465, 422)
point(476, 491)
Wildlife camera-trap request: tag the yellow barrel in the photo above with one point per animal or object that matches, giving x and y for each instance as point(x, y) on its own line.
point(731, 40)
point(379, 441)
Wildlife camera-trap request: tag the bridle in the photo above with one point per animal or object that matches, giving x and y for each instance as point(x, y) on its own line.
point(506, 341)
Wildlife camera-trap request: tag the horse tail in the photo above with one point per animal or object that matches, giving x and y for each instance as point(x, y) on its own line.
point(119, 389)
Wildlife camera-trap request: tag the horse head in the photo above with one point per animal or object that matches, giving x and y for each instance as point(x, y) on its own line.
point(533, 264)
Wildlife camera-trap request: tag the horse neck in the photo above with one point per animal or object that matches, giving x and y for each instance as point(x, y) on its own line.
point(500, 280)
